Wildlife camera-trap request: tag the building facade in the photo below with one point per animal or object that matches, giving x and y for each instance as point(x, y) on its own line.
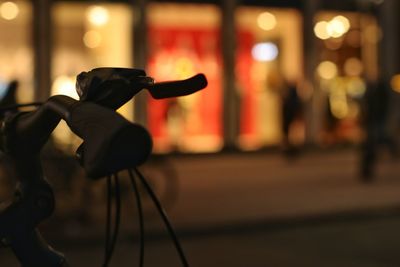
point(250, 51)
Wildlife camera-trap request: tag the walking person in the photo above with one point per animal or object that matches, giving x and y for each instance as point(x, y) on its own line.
point(291, 107)
point(376, 108)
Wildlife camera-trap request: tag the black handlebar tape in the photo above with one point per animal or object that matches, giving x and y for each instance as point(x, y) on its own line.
point(32, 251)
point(111, 143)
point(90, 85)
point(26, 132)
point(178, 88)
point(109, 87)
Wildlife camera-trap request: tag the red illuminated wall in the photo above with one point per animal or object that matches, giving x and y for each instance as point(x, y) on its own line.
point(246, 84)
point(177, 53)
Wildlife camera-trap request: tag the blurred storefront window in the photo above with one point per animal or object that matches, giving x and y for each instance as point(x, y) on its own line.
point(16, 56)
point(348, 61)
point(269, 58)
point(184, 39)
point(87, 36)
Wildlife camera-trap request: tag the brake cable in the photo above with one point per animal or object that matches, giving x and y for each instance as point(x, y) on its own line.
point(141, 218)
point(110, 240)
point(163, 216)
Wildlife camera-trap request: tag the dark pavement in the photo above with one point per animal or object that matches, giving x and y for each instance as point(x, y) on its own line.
point(260, 209)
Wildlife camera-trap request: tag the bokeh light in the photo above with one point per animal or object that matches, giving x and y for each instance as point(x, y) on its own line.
point(334, 28)
point(9, 10)
point(353, 67)
point(320, 30)
point(342, 23)
point(339, 106)
point(327, 70)
point(266, 21)
point(356, 87)
point(395, 83)
point(92, 39)
point(265, 51)
point(98, 15)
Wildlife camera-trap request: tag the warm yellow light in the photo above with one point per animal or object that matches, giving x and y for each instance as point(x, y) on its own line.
point(356, 87)
point(334, 28)
point(266, 21)
point(327, 70)
point(92, 39)
point(64, 85)
point(9, 10)
point(353, 67)
point(98, 15)
point(339, 106)
point(338, 26)
point(320, 30)
point(395, 83)
point(345, 23)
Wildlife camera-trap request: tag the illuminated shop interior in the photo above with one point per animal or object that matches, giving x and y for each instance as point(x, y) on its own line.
point(184, 39)
point(16, 56)
point(88, 36)
point(269, 56)
point(348, 60)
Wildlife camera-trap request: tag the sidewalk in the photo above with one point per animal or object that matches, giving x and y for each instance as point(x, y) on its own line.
point(258, 210)
point(226, 189)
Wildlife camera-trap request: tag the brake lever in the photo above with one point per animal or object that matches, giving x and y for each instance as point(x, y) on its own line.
point(177, 88)
point(113, 87)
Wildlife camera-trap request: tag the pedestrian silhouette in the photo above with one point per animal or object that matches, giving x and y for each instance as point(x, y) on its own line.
point(375, 121)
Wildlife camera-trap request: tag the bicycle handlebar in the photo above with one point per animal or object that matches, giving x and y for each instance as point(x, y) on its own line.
point(174, 88)
point(113, 87)
point(111, 143)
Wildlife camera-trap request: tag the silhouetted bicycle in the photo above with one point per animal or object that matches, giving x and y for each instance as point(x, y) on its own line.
point(110, 144)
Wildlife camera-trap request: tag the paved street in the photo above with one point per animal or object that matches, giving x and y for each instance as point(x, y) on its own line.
point(260, 209)
point(253, 187)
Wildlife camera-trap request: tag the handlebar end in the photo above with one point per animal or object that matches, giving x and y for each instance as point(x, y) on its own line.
point(178, 88)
